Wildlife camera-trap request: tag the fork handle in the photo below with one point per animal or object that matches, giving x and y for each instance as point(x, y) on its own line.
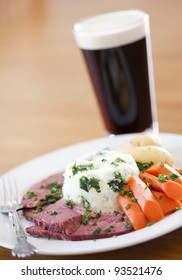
point(13, 216)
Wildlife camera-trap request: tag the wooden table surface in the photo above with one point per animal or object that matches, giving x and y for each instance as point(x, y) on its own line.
point(47, 102)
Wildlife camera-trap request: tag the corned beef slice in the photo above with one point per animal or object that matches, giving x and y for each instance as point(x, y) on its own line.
point(39, 231)
point(30, 212)
point(40, 190)
point(107, 225)
point(58, 217)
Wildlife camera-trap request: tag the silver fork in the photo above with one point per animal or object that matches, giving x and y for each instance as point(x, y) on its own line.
point(10, 205)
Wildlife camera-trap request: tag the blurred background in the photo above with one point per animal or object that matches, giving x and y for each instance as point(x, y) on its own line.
point(46, 98)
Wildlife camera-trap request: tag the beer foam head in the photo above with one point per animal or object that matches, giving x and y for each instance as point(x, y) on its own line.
point(111, 29)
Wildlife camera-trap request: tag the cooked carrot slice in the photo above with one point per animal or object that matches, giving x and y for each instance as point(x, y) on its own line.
point(167, 204)
point(171, 188)
point(145, 199)
point(132, 209)
point(165, 169)
point(151, 180)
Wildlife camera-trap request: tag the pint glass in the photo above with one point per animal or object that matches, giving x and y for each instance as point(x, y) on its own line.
point(117, 51)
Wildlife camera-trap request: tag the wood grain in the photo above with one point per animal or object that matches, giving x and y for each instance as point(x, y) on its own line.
point(47, 102)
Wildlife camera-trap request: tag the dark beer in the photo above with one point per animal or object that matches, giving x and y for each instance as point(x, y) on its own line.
point(120, 79)
point(116, 50)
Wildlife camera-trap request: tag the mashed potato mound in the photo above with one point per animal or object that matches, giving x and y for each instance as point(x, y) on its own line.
point(94, 180)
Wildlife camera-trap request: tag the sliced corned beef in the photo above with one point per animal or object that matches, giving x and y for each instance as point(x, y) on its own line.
point(107, 225)
point(38, 192)
point(39, 231)
point(58, 217)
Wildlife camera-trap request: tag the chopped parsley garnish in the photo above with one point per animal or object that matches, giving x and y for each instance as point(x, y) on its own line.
point(115, 212)
point(85, 203)
point(97, 231)
point(86, 216)
point(102, 152)
point(49, 199)
point(126, 192)
point(117, 183)
point(53, 212)
point(54, 186)
point(133, 199)
point(142, 166)
point(55, 190)
point(107, 230)
point(128, 206)
point(123, 216)
point(128, 225)
point(173, 176)
point(81, 167)
point(98, 214)
point(149, 224)
point(30, 194)
point(87, 183)
point(120, 160)
point(162, 178)
point(70, 203)
point(55, 194)
point(117, 161)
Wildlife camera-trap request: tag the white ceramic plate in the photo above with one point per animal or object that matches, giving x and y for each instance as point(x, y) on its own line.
point(39, 168)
